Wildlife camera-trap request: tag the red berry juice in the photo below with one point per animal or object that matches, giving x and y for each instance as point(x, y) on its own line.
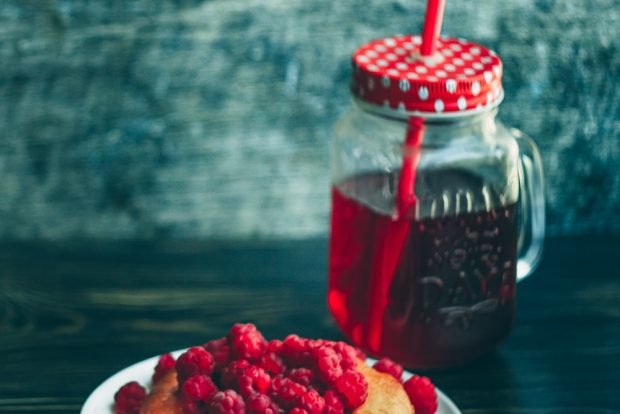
point(451, 295)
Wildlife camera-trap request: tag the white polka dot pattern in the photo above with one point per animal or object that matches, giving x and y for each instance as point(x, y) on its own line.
point(423, 93)
point(463, 76)
point(451, 85)
point(439, 105)
point(475, 88)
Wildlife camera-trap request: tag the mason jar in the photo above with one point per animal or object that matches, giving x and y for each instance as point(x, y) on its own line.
point(437, 207)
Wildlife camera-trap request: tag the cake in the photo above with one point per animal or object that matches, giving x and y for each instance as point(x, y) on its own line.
point(244, 373)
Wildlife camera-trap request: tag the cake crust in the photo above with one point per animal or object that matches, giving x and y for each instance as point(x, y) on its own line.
point(385, 394)
point(163, 398)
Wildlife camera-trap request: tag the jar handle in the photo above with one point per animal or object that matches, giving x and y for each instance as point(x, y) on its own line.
point(531, 205)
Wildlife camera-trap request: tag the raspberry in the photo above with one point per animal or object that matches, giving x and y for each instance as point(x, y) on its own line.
point(353, 387)
point(240, 328)
point(196, 360)
point(360, 354)
point(246, 342)
point(192, 407)
point(298, 410)
point(220, 350)
point(313, 402)
point(328, 363)
point(389, 367)
point(198, 388)
point(285, 392)
point(333, 403)
point(422, 394)
point(165, 364)
point(261, 404)
point(271, 363)
point(317, 343)
point(252, 380)
point(295, 351)
point(293, 345)
point(260, 379)
point(129, 398)
point(227, 402)
point(302, 376)
point(275, 345)
point(233, 371)
point(348, 354)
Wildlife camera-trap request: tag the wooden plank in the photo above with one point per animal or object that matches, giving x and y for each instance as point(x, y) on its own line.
point(71, 314)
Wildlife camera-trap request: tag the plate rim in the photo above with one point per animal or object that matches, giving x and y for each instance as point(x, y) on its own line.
point(106, 389)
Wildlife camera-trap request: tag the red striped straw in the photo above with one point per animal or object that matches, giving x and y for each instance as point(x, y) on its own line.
point(405, 196)
point(390, 242)
point(432, 26)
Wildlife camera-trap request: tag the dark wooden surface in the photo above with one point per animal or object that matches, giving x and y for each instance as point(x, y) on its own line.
point(72, 314)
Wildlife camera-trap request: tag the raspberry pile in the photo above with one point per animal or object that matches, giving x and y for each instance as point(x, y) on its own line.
point(244, 373)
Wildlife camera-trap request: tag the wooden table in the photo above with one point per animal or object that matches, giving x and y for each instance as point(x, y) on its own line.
point(72, 314)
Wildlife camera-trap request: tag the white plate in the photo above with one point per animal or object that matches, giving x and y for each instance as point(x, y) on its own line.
point(102, 398)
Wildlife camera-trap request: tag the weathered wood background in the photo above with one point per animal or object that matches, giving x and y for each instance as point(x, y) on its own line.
point(211, 119)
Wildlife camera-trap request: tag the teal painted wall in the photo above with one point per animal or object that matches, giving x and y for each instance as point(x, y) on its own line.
point(211, 119)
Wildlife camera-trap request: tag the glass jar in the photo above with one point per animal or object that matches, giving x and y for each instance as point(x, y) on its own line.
point(431, 284)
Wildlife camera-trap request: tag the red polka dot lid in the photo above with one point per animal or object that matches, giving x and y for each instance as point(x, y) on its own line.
point(390, 76)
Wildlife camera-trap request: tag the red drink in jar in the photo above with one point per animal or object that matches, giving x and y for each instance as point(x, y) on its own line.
point(451, 296)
